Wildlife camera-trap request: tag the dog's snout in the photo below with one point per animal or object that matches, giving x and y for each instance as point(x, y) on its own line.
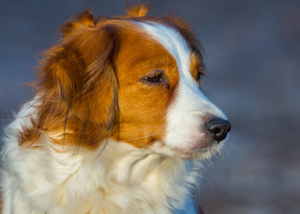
point(219, 128)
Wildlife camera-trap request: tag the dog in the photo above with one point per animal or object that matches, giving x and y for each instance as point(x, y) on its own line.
point(118, 123)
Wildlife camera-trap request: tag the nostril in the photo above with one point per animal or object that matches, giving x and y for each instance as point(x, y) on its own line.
point(219, 128)
point(218, 131)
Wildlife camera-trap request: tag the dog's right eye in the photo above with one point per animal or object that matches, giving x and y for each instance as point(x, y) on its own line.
point(155, 78)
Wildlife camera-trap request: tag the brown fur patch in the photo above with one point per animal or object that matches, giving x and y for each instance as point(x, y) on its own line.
point(196, 67)
point(143, 105)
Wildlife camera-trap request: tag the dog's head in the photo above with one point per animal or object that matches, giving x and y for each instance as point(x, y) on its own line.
point(131, 78)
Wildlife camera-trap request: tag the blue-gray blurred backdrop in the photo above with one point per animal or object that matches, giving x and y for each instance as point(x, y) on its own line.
point(252, 56)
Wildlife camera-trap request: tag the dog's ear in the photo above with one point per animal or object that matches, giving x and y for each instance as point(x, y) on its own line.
point(77, 78)
point(138, 10)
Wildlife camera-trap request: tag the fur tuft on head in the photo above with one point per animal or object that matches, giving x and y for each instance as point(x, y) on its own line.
point(82, 20)
point(138, 10)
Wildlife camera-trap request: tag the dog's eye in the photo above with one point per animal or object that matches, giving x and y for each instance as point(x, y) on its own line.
point(199, 76)
point(154, 78)
point(157, 78)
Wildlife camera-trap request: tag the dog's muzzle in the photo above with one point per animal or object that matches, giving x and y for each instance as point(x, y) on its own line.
point(219, 128)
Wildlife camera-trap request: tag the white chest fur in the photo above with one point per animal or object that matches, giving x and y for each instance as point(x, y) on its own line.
point(118, 179)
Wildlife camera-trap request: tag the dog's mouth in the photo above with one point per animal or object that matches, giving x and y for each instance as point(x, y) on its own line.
point(199, 153)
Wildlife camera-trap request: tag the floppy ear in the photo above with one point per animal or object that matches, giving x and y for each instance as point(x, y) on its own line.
point(77, 79)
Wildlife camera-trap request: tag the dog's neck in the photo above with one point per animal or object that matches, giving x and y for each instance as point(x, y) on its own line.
point(122, 179)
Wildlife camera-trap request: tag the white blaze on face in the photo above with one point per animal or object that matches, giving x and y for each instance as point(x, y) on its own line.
point(186, 129)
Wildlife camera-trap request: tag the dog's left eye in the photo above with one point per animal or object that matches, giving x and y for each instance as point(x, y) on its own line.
point(199, 76)
point(155, 78)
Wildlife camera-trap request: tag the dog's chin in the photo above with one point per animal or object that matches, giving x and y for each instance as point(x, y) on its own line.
point(192, 153)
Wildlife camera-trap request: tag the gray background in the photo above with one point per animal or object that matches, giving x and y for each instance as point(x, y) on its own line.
point(252, 55)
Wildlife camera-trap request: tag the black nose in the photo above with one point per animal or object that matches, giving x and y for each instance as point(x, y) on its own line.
point(219, 128)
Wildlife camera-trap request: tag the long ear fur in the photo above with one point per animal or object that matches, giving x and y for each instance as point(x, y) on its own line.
point(77, 86)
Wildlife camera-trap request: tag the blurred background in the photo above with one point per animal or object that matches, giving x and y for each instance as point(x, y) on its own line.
point(252, 55)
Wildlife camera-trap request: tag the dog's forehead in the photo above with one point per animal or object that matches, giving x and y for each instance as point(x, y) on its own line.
point(174, 43)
